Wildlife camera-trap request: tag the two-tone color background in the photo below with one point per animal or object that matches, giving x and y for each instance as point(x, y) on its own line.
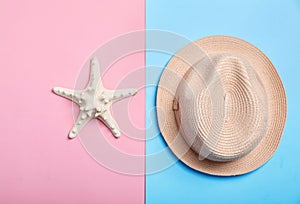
point(45, 43)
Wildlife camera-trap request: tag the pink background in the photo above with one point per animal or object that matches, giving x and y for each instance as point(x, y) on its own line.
point(44, 44)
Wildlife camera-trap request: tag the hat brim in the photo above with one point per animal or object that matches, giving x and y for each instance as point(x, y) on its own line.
point(277, 108)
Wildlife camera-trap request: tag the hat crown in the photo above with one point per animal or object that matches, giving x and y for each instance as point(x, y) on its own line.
point(222, 111)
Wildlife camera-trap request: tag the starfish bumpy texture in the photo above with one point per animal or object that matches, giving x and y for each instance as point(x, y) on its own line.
point(94, 101)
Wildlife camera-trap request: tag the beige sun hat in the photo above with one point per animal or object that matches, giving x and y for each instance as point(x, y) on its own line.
point(221, 106)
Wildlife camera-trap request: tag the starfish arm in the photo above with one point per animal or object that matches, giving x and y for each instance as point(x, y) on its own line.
point(73, 95)
point(82, 119)
point(110, 123)
point(119, 94)
point(95, 79)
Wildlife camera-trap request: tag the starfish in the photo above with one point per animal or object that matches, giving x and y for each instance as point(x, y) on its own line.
point(94, 101)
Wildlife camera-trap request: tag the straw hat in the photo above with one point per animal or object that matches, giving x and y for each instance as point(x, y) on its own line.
point(221, 106)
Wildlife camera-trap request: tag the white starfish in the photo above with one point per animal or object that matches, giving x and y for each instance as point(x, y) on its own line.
point(94, 101)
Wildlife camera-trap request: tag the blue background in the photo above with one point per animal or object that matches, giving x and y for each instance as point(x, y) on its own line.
point(272, 26)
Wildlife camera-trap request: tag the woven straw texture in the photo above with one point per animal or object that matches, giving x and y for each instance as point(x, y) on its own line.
point(223, 114)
